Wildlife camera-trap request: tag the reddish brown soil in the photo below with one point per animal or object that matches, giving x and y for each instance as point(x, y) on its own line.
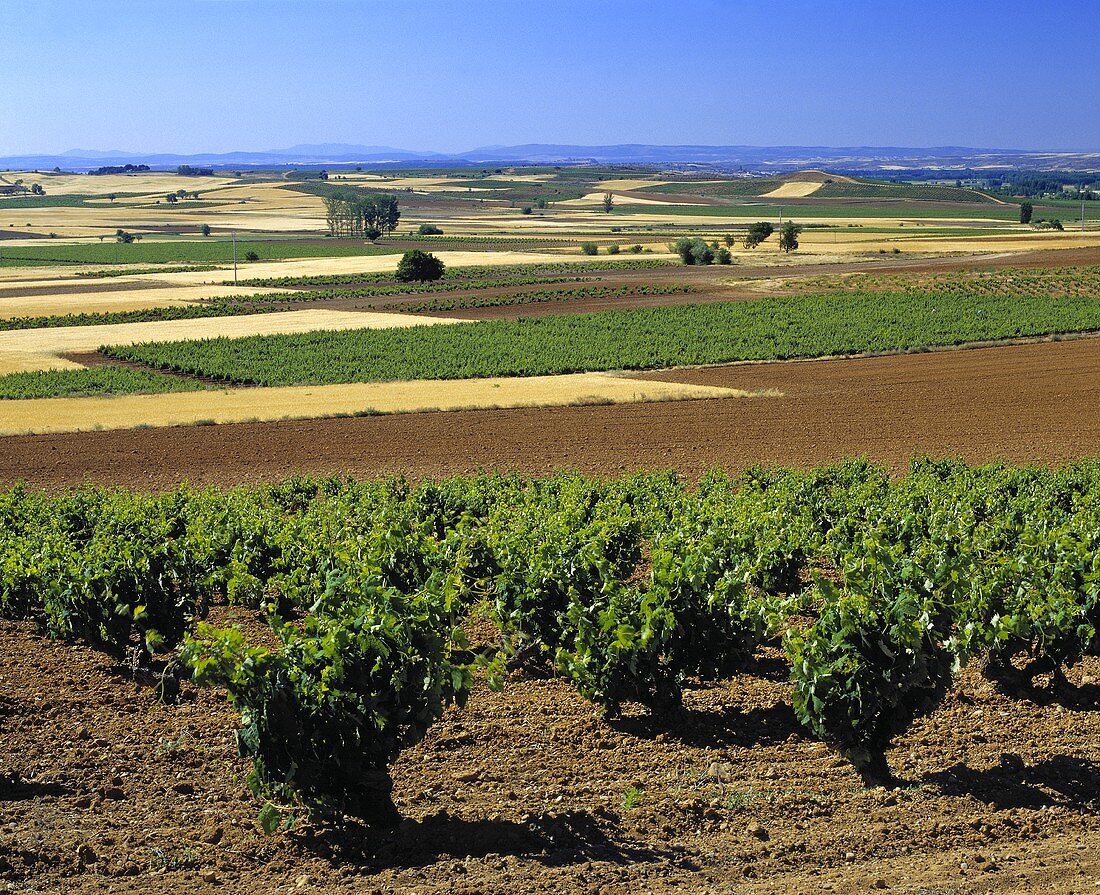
point(105, 790)
point(1037, 403)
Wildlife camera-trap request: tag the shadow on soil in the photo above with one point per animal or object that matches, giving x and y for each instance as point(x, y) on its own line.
point(1072, 783)
point(554, 840)
point(715, 729)
point(15, 789)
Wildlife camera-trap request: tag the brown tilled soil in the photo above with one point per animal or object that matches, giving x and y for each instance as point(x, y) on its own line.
point(105, 790)
point(1036, 403)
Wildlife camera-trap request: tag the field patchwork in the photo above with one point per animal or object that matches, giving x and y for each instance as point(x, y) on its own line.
point(43, 349)
point(42, 415)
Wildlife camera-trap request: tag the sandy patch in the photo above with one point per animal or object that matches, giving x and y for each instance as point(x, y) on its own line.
point(40, 349)
point(794, 190)
point(42, 415)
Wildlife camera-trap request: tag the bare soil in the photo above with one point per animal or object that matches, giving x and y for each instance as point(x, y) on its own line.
point(106, 790)
point(1036, 403)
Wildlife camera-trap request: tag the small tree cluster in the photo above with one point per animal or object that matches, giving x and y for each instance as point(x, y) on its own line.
point(692, 250)
point(361, 216)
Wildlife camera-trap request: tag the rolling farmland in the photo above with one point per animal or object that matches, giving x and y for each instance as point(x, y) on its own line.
point(581, 591)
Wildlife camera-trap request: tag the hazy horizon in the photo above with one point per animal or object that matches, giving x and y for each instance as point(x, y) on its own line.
point(214, 76)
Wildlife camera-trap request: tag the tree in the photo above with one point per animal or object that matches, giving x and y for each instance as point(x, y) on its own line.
point(37, 190)
point(723, 256)
point(429, 230)
point(419, 266)
point(172, 198)
point(1026, 210)
point(205, 229)
point(589, 248)
point(728, 240)
point(354, 213)
point(757, 233)
point(608, 202)
point(123, 236)
point(693, 251)
point(788, 236)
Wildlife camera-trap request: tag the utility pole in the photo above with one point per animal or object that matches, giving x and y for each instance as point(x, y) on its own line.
point(234, 257)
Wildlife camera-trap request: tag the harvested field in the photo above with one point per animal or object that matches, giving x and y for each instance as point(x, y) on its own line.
point(128, 411)
point(524, 790)
point(42, 349)
point(794, 189)
point(1033, 403)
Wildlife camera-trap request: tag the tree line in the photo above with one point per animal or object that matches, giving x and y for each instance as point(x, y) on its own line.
point(360, 215)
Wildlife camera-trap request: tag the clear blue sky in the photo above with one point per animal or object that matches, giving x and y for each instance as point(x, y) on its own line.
point(218, 75)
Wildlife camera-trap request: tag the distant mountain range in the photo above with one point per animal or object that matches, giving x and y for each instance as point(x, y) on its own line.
point(716, 158)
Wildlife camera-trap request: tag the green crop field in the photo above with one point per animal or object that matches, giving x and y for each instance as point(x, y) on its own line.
point(875, 189)
point(767, 329)
point(722, 189)
point(105, 380)
point(175, 251)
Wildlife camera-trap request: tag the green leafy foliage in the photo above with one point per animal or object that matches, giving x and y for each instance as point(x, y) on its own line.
point(771, 328)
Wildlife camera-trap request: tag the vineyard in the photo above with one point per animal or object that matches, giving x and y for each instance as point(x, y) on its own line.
point(109, 379)
point(765, 329)
point(474, 272)
point(383, 602)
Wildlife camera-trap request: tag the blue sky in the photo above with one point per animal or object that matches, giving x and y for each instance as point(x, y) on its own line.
point(446, 75)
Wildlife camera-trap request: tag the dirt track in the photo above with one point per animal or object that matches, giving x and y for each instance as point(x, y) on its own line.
point(1037, 403)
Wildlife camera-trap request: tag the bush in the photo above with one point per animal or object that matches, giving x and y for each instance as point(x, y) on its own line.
point(723, 256)
point(693, 251)
point(589, 248)
point(251, 256)
point(361, 677)
point(613, 250)
point(429, 230)
point(526, 209)
point(205, 229)
point(879, 654)
point(636, 249)
point(419, 266)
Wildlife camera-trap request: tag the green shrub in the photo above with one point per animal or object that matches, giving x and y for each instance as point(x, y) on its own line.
point(419, 266)
point(429, 230)
point(589, 248)
point(879, 655)
point(363, 676)
point(692, 250)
